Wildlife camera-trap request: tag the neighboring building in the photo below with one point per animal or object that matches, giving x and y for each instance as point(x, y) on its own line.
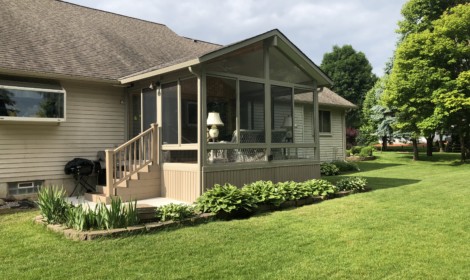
point(75, 81)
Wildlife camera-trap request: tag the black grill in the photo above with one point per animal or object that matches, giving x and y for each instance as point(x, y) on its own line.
point(81, 169)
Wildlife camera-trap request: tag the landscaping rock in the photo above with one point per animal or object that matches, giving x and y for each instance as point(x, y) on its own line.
point(2, 202)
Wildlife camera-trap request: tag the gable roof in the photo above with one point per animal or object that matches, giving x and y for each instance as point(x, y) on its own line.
point(48, 37)
point(54, 37)
point(327, 97)
point(278, 39)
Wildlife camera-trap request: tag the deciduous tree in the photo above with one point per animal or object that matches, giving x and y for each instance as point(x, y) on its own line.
point(352, 75)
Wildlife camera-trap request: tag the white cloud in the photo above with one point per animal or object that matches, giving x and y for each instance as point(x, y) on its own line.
point(314, 26)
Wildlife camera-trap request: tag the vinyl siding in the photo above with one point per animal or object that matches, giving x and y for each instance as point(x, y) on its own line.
point(332, 146)
point(95, 120)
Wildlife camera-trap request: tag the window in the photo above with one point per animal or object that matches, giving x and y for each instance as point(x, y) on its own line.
point(325, 121)
point(17, 188)
point(20, 100)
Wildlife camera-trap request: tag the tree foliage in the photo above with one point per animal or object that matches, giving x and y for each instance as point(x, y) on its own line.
point(429, 80)
point(352, 75)
point(418, 15)
point(378, 119)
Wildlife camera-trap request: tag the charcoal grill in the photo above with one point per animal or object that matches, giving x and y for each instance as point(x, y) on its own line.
point(81, 169)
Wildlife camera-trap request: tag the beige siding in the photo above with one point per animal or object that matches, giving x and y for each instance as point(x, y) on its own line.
point(180, 181)
point(332, 146)
point(245, 175)
point(37, 151)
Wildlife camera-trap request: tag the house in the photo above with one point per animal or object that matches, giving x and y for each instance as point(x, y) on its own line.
point(174, 115)
point(332, 124)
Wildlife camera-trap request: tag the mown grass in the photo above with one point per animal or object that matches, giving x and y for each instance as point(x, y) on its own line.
point(415, 224)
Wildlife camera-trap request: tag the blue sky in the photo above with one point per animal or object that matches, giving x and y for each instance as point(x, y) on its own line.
point(313, 25)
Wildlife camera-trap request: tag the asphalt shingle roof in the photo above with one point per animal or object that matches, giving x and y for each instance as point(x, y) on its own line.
point(55, 37)
point(326, 97)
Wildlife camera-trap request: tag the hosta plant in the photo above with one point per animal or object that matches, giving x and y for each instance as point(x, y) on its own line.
point(328, 169)
point(319, 187)
point(352, 184)
point(227, 198)
point(265, 192)
point(174, 212)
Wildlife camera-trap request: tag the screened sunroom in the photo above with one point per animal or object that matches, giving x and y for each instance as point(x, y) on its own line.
point(245, 112)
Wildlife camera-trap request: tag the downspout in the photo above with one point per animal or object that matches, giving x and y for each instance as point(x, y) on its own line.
point(201, 146)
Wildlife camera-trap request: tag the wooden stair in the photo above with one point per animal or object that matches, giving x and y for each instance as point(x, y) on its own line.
point(141, 185)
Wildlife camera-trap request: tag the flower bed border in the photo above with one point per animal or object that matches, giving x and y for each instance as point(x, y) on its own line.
point(77, 235)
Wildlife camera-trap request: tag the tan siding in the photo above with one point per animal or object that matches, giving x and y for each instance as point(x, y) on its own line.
point(332, 146)
point(241, 176)
point(180, 181)
point(35, 151)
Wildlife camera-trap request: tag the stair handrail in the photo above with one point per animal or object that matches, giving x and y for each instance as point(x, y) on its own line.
point(131, 157)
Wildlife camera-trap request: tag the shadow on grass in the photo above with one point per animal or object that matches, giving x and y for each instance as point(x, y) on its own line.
point(452, 159)
point(373, 165)
point(378, 183)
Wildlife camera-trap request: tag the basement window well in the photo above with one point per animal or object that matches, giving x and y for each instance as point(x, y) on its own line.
point(28, 187)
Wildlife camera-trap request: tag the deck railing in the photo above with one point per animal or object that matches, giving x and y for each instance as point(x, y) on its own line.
point(132, 156)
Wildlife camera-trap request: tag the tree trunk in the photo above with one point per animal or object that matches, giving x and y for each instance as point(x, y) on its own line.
point(441, 143)
point(463, 149)
point(415, 149)
point(429, 144)
point(384, 142)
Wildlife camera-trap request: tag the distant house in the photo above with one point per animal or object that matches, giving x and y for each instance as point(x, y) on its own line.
point(174, 115)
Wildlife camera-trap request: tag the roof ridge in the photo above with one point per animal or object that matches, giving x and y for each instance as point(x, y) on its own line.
point(112, 13)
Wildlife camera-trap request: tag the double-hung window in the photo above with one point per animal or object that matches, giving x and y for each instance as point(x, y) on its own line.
point(325, 122)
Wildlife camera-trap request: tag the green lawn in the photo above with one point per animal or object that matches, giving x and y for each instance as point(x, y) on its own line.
point(415, 224)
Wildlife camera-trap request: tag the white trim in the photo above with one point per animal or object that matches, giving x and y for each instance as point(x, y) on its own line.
point(179, 66)
point(33, 89)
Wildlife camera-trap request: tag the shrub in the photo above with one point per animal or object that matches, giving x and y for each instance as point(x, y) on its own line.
point(318, 187)
point(293, 190)
point(328, 169)
point(227, 198)
point(52, 204)
point(352, 184)
point(345, 166)
point(356, 150)
point(174, 212)
point(265, 192)
point(366, 151)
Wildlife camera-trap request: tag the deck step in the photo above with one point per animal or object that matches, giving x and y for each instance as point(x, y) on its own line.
point(97, 197)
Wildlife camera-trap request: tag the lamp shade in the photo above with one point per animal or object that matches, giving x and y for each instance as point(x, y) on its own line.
point(214, 119)
point(287, 122)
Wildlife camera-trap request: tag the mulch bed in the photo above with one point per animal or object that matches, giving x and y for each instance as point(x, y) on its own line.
point(8, 206)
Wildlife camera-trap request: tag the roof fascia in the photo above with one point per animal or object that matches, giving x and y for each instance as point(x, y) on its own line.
point(161, 71)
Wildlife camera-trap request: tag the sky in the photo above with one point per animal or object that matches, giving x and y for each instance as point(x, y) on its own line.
point(314, 26)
